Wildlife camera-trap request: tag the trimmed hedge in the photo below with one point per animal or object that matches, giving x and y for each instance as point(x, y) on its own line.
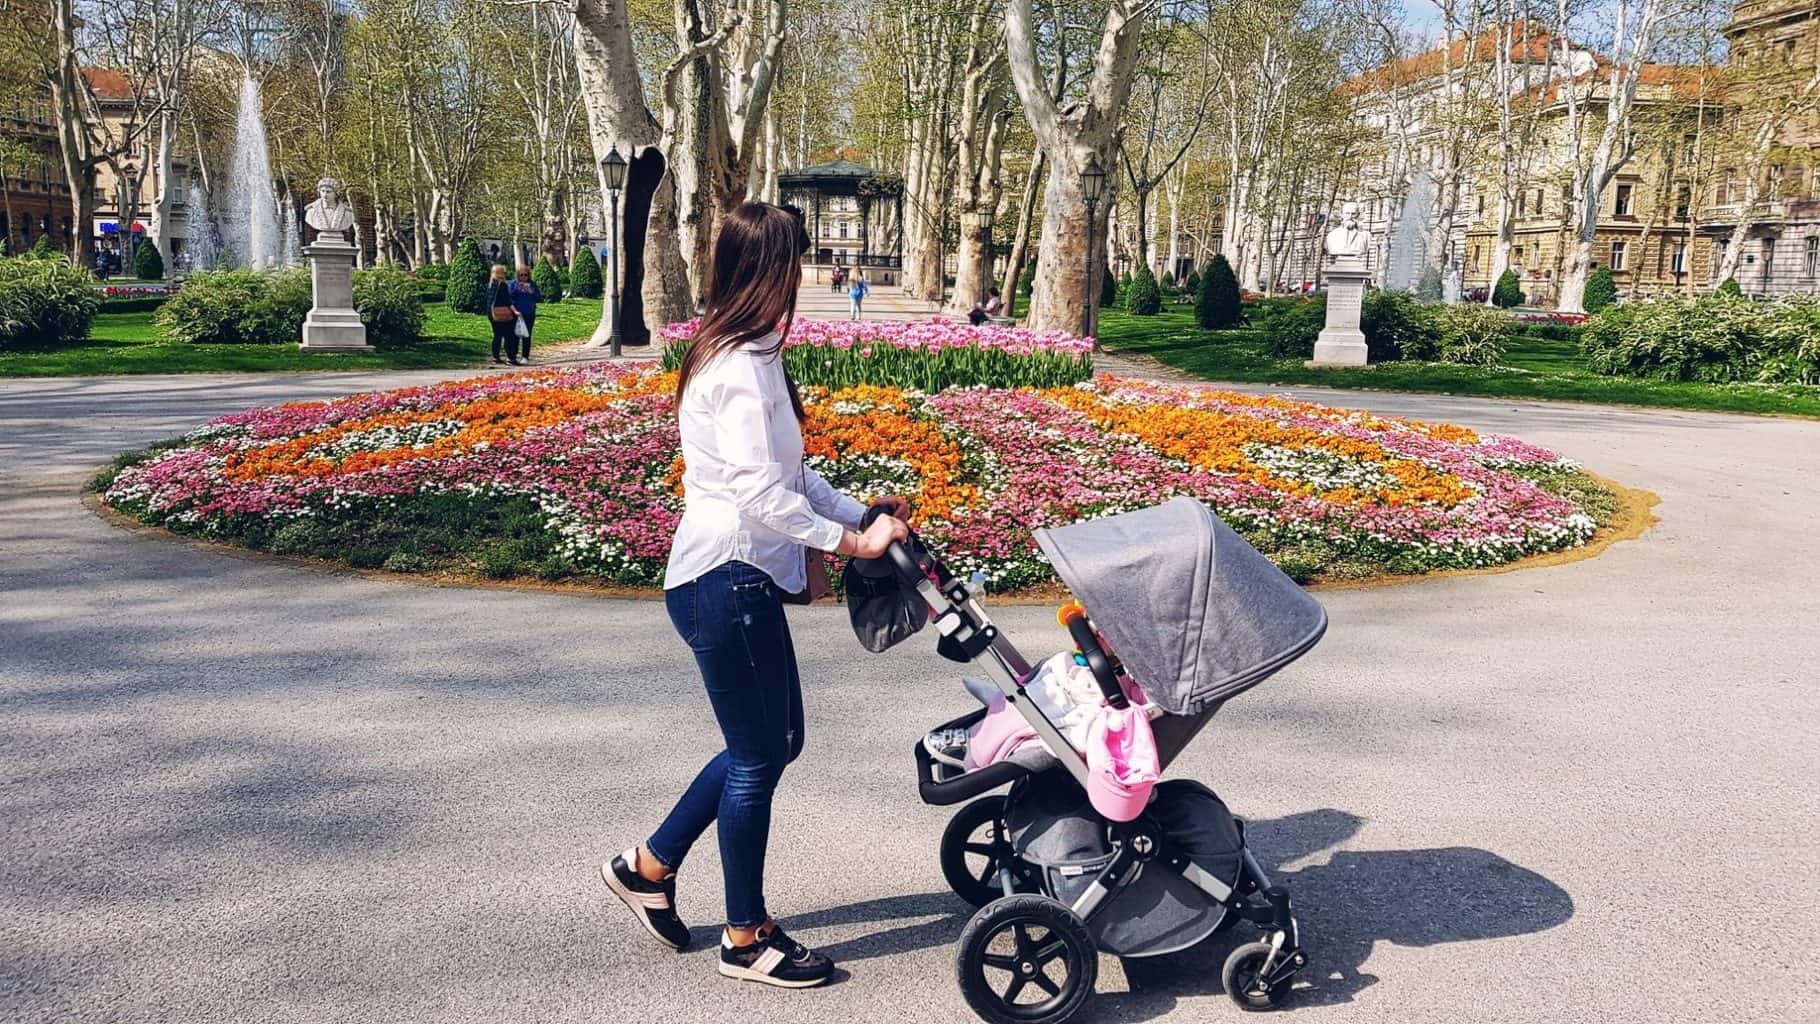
point(1216, 303)
point(44, 301)
point(142, 304)
point(1716, 338)
point(467, 279)
point(1601, 291)
point(1293, 331)
point(1509, 291)
point(1473, 335)
point(549, 284)
point(1145, 298)
point(147, 264)
point(390, 304)
point(252, 307)
point(1396, 326)
point(584, 275)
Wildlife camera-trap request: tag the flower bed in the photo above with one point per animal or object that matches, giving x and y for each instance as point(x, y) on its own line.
point(929, 356)
point(575, 473)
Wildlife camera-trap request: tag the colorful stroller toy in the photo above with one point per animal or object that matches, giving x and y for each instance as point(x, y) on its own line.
point(1196, 616)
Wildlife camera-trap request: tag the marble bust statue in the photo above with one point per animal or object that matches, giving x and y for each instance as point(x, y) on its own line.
point(1348, 241)
point(330, 214)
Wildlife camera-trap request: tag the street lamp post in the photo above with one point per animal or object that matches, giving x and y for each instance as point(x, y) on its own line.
point(1093, 178)
point(991, 256)
point(613, 173)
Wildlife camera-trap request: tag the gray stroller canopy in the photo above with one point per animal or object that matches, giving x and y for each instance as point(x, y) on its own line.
point(1195, 613)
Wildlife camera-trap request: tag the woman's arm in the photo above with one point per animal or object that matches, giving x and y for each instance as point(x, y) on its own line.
point(758, 480)
point(829, 502)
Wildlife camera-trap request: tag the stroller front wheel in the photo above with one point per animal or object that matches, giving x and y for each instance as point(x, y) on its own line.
point(975, 846)
point(1248, 977)
point(1026, 959)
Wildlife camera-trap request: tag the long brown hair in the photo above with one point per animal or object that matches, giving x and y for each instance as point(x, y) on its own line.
point(752, 290)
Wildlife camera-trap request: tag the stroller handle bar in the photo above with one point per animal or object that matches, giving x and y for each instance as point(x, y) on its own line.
point(915, 571)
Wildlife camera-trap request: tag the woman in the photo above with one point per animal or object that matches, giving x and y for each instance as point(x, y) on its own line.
point(501, 313)
point(752, 511)
point(525, 298)
point(856, 294)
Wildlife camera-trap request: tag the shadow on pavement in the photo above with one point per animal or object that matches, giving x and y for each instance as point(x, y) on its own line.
point(1345, 907)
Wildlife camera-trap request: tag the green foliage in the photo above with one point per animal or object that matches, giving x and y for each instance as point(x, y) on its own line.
point(1124, 292)
point(1191, 285)
point(1027, 280)
point(147, 264)
point(1109, 289)
point(237, 307)
point(390, 304)
point(1716, 338)
point(1428, 289)
point(141, 304)
point(1168, 280)
point(1396, 326)
point(44, 302)
point(44, 249)
point(1601, 291)
point(890, 366)
point(584, 275)
point(1509, 292)
point(438, 272)
point(1144, 298)
point(1216, 303)
point(1729, 286)
point(549, 285)
point(467, 277)
point(1473, 335)
point(1293, 332)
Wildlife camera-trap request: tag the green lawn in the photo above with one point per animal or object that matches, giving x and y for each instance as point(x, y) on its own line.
point(1532, 369)
point(128, 343)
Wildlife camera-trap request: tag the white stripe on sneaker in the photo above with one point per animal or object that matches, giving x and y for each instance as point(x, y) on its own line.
point(768, 960)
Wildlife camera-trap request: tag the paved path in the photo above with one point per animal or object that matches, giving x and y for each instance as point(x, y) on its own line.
point(239, 790)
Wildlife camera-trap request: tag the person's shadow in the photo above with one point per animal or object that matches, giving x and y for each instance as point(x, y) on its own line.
point(1344, 907)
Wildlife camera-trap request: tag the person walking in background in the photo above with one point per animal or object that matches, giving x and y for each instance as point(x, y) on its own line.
point(525, 298)
point(856, 295)
point(501, 313)
point(838, 277)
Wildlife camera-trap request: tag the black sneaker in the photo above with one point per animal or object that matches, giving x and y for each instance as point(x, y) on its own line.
point(774, 959)
point(653, 903)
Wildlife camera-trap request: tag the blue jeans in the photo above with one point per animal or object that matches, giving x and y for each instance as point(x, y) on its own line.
point(733, 619)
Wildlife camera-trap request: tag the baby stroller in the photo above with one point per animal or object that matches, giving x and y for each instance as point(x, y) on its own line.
point(1196, 616)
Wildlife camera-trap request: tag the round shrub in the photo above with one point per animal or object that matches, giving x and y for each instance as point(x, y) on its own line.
point(1145, 298)
point(1601, 291)
point(1027, 280)
point(1293, 332)
point(390, 304)
point(1729, 286)
point(1428, 288)
point(438, 272)
point(549, 286)
point(584, 275)
point(1472, 334)
point(1216, 302)
point(237, 307)
point(1109, 288)
point(467, 288)
point(44, 302)
point(147, 264)
point(44, 249)
point(1509, 292)
point(1396, 326)
point(1192, 283)
point(1168, 281)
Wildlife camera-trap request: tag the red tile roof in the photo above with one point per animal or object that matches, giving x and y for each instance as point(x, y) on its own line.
point(108, 83)
point(1526, 47)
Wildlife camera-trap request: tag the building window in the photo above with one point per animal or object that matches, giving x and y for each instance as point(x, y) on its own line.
point(1684, 198)
point(1687, 149)
point(1769, 258)
point(1522, 202)
point(1617, 256)
point(1678, 263)
point(1813, 255)
point(1481, 212)
point(1475, 249)
point(1718, 254)
point(1519, 260)
point(1621, 206)
point(1772, 182)
point(843, 229)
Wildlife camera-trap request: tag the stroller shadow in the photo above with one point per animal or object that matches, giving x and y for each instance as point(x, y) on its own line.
point(1348, 905)
point(1344, 907)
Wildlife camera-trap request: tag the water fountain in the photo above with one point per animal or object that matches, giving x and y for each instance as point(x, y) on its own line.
point(1408, 243)
point(249, 217)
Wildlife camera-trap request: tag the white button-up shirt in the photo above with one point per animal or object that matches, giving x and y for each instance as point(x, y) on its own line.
point(746, 494)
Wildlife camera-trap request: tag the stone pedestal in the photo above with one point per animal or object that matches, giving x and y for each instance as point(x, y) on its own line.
point(1341, 343)
point(332, 325)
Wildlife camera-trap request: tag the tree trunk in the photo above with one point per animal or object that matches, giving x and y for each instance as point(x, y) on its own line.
point(1020, 244)
point(613, 95)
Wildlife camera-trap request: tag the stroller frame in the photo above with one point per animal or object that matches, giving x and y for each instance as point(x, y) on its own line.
point(967, 634)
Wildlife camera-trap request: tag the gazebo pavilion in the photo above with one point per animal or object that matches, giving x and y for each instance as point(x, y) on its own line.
point(849, 211)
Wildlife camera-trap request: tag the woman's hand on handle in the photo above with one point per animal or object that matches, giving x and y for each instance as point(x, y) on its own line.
point(896, 505)
point(872, 542)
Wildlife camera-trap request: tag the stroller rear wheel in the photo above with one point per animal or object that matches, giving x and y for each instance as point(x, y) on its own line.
point(975, 846)
point(1026, 959)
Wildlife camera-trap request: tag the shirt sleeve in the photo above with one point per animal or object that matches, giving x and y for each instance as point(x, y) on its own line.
point(758, 482)
point(829, 502)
